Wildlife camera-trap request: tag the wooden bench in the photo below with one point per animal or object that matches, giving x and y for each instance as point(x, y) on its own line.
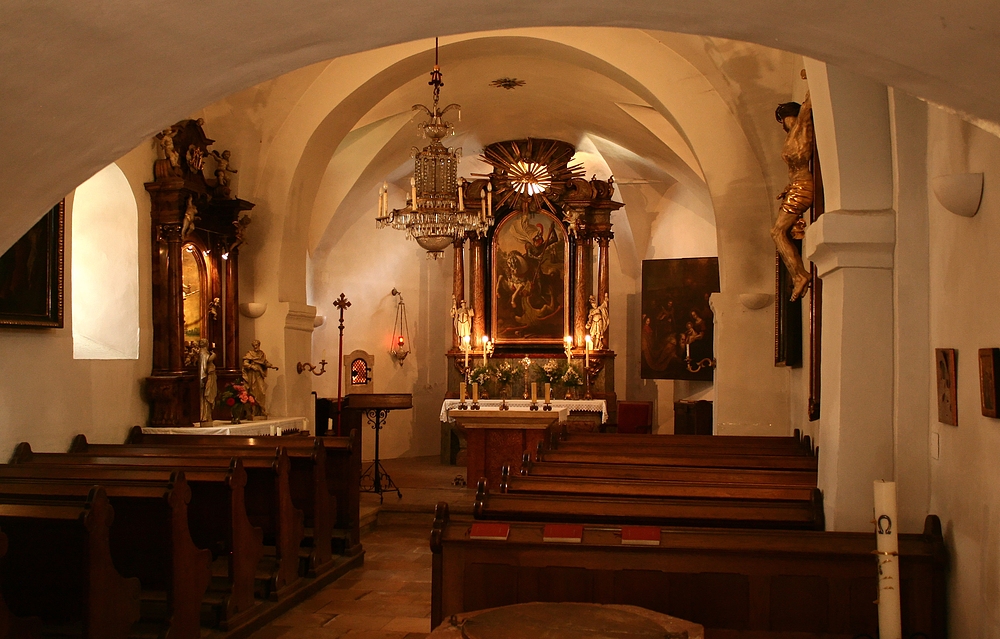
point(58, 567)
point(678, 444)
point(737, 583)
point(655, 458)
point(541, 485)
point(217, 514)
point(343, 468)
point(790, 515)
point(267, 494)
point(149, 540)
point(306, 482)
point(12, 627)
point(668, 473)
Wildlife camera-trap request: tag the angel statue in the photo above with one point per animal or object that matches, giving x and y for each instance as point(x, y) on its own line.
point(166, 138)
point(222, 167)
point(597, 322)
point(190, 215)
point(797, 197)
point(462, 316)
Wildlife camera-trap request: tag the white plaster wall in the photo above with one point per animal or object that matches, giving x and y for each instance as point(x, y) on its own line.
point(365, 265)
point(964, 306)
point(47, 396)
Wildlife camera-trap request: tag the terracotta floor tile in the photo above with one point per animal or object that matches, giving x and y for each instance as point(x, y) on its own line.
point(358, 622)
point(409, 624)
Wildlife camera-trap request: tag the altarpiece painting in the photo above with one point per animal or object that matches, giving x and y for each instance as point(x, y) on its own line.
point(677, 321)
point(530, 297)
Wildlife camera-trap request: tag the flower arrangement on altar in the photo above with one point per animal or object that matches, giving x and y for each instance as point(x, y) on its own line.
point(480, 375)
point(571, 379)
point(504, 374)
point(236, 396)
point(552, 371)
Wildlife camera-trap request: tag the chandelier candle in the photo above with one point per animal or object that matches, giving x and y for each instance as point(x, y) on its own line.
point(887, 544)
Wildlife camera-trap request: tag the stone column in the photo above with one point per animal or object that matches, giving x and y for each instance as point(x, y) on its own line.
point(478, 290)
point(853, 254)
point(603, 277)
point(459, 285)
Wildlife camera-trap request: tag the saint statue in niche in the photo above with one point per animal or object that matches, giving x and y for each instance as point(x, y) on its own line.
point(597, 322)
point(209, 382)
point(529, 270)
point(797, 197)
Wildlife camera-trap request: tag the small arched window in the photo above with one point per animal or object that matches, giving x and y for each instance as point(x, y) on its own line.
point(359, 372)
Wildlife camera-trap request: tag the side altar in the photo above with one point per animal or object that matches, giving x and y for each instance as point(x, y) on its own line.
point(531, 284)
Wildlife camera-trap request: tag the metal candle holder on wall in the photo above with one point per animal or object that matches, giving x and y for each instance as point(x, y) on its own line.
point(708, 362)
point(306, 366)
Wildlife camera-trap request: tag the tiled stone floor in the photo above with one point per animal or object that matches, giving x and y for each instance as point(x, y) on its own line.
point(388, 598)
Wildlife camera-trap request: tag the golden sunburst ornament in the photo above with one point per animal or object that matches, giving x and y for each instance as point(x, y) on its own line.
point(530, 178)
point(530, 174)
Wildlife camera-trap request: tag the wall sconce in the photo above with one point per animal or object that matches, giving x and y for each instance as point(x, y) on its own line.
point(253, 310)
point(399, 347)
point(694, 367)
point(306, 366)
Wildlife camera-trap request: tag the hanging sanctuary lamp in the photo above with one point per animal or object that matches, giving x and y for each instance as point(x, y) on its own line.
point(435, 214)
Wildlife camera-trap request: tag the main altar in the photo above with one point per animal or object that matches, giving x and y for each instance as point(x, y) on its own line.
point(531, 289)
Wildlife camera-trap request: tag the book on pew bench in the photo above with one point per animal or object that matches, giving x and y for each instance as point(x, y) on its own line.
point(565, 533)
point(640, 536)
point(492, 532)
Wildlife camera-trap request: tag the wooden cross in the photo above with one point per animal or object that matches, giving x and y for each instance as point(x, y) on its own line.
point(343, 304)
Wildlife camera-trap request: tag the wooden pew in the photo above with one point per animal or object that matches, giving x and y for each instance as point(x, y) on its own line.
point(655, 458)
point(58, 567)
point(267, 494)
point(678, 444)
point(789, 515)
point(780, 445)
point(12, 627)
point(217, 514)
point(595, 487)
point(306, 482)
point(343, 467)
point(738, 583)
point(667, 473)
point(149, 540)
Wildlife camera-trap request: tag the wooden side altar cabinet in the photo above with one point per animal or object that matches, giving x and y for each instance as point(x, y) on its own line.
point(496, 438)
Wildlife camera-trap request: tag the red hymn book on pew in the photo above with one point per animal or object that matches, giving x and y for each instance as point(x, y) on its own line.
point(640, 536)
point(493, 532)
point(566, 533)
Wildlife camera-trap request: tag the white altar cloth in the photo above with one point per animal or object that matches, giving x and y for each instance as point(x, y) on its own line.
point(581, 405)
point(277, 426)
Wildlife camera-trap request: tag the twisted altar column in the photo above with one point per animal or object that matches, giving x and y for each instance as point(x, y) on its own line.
point(583, 270)
point(478, 290)
point(459, 286)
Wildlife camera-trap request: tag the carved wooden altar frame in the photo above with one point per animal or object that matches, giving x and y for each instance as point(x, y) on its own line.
point(173, 389)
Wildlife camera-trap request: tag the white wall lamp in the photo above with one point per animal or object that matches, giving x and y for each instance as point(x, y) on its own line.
point(253, 310)
point(960, 193)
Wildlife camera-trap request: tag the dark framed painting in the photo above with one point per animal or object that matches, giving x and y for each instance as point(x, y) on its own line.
point(677, 320)
point(947, 385)
point(31, 275)
point(530, 295)
point(988, 358)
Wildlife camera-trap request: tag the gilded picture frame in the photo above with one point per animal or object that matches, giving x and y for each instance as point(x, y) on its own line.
point(988, 387)
point(530, 288)
point(32, 275)
point(946, 360)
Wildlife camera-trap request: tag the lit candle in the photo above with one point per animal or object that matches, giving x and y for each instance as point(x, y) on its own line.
point(461, 194)
point(465, 347)
point(486, 341)
point(569, 349)
point(475, 392)
point(887, 544)
point(489, 198)
point(461, 391)
point(548, 393)
point(534, 392)
point(413, 191)
point(587, 343)
point(687, 351)
point(482, 202)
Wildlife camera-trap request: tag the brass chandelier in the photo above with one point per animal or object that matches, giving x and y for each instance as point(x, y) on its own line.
point(435, 214)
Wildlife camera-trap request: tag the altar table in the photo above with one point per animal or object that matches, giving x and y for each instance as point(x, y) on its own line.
point(574, 405)
point(497, 438)
point(257, 428)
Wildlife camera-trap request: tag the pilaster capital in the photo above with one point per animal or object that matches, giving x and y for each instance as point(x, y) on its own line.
point(851, 239)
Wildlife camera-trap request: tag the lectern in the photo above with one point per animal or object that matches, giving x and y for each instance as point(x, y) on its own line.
point(375, 407)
